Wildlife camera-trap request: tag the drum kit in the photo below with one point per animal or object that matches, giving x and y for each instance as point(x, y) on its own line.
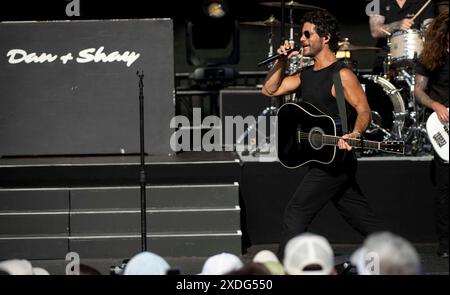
point(395, 114)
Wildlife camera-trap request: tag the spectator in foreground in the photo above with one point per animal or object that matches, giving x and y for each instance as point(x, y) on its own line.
point(386, 254)
point(146, 263)
point(221, 264)
point(309, 254)
point(270, 261)
point(21, 267)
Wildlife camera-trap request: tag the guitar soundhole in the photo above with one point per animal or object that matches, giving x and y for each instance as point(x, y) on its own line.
point(316, 138)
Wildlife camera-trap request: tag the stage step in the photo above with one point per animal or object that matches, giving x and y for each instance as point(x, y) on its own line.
point(125, 197)
point(116, 246)
point(104, 222)
point(184, 168)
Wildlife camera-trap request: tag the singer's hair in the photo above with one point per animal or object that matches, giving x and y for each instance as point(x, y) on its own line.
point(436, 42)
point(326, 25)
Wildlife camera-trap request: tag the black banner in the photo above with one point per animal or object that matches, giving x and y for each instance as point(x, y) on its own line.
point(71, 87)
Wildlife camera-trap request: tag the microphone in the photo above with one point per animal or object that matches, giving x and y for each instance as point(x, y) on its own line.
point(278, 55)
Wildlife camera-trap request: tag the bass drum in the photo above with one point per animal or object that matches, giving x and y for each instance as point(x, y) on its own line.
point(387, 106)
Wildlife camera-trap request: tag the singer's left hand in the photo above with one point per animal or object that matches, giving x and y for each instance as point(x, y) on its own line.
point(343, 145)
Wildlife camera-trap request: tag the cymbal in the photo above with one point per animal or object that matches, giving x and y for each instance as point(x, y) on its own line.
point(350, 47)
point(270, 22)
point(291, 4)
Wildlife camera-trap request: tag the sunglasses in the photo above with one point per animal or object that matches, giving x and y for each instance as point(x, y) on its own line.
point(307, 34)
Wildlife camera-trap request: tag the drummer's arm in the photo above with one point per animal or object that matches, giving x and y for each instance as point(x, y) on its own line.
point(378, 28)
point(277, 84)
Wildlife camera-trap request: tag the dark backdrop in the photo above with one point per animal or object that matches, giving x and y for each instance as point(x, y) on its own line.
point(350, 13)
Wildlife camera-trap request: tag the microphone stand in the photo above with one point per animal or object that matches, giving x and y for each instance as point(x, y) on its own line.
point(142, 176)
point(283, 37)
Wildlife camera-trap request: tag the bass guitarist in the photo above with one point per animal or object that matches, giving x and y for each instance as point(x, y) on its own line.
point(335, 182)
point(431, 90)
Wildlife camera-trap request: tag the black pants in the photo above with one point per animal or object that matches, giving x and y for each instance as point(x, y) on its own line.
point(319, 186)
point(441, 202)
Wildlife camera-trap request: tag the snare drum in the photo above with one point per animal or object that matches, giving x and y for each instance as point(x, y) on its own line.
point(406, 47)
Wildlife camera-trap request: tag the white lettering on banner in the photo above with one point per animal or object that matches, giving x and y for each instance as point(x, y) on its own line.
point(88, 55)
point(16, 56)
point(66, 58)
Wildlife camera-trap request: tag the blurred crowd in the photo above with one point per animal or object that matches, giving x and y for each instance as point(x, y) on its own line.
point(382, 253)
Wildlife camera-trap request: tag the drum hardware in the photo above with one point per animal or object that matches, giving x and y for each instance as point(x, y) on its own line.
point(398, 125)
point(346, 45)
point(345, 50)
point(375, 125)
point(291, 5)
point(271, 23)
point(351, 47)
point(416, 136)
point(387, 66)
point(411, 81)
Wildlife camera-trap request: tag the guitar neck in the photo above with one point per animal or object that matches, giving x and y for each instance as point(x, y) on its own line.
point(355, 143)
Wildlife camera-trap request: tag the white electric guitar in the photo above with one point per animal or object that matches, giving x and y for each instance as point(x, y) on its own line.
point(438, 134)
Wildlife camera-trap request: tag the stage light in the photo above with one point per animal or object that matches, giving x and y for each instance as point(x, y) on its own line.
point(215, 8)
point(212, 34)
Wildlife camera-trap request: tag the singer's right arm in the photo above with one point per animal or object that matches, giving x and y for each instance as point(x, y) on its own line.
point(277, 84)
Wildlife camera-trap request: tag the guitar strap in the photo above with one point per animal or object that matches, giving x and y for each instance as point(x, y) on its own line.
point(340, 99)
point(341, 103)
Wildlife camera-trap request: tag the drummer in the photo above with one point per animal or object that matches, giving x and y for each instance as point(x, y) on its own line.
point(396, 15)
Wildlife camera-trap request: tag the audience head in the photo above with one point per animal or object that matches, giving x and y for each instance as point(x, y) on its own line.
point(251, 269)
point(308, 254)
point(384, 253)
point(21, 267)
point(270, 261)
point(146, 263)
point(221, 264)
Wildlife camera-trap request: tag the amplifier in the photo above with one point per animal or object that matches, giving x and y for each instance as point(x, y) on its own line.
point(242, 103)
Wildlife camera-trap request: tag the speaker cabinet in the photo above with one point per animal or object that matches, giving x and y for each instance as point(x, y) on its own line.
point(243, 102)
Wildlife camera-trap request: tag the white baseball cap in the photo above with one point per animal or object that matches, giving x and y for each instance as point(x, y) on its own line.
point(146, 263)
point(221, 264)
point(21, 267)
point(265, 256)
point(306, 250)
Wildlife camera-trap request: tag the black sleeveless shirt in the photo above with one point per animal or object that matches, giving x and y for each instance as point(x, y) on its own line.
point(315, 88)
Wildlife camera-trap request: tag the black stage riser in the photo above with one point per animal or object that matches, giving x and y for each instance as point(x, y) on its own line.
point(400, 192)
